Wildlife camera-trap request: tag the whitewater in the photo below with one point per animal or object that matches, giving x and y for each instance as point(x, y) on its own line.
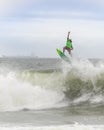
point(50, 94)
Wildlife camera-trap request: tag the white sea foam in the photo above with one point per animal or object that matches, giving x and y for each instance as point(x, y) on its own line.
point(84, 68)
point(63, 127)
point(16, 94)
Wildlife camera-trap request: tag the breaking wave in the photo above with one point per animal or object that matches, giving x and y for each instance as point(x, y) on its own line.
point(78, 83)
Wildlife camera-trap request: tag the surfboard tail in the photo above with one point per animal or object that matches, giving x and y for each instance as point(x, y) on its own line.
point(62, 55)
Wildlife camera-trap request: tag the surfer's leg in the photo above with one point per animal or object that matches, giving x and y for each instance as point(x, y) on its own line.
point(69, 51)
point(64, 49)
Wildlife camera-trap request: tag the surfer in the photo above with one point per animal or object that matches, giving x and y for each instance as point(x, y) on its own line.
point(68, 46)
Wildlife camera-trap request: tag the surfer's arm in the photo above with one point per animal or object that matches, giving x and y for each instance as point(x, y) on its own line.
point(68, 35)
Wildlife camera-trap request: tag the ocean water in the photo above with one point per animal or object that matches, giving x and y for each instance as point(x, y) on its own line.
point(50, 94)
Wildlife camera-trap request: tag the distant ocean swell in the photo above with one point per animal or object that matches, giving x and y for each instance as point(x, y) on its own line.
point(78, 83)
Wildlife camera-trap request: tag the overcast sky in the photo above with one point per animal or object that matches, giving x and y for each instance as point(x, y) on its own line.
point(38, 27)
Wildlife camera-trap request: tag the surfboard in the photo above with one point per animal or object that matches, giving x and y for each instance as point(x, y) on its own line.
point(62, 55)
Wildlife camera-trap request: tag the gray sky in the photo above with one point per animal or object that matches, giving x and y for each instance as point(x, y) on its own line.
point(40, 26)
